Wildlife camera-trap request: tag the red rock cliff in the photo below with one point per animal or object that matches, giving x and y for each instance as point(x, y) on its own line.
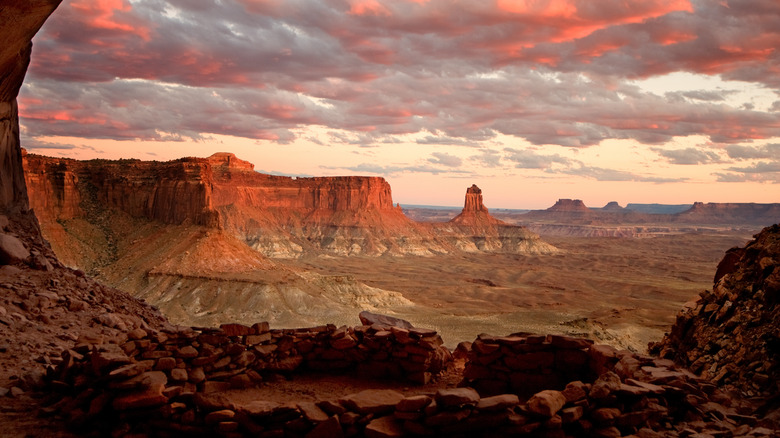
point(192, 189)
point(173, 192)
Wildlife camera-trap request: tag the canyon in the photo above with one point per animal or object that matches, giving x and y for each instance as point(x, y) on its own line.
point(81, 354)
point(209, 239)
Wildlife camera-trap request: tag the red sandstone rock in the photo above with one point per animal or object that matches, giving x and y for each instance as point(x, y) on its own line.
point(331, 428)
point(12, 250)
point(384, 427)
point(26, 16)
point(569, 205)
point(546, 403)
point(369, 318)
point(613, 206)
point(373, 401)
point(413, 403)
point(498, 402)
point(739, 316)
point(474, 211)
point(456, 397)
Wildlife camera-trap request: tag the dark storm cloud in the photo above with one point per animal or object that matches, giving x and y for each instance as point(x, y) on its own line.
point(184, 69)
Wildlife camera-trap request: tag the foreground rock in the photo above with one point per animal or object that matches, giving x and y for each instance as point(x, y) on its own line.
point(731, 334)
point(133, 388)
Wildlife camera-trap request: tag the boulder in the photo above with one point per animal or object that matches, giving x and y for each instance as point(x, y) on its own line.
point(546, 403)
point(454, 397)
point(384, 427)
point(369, 318)
point(12, 250)
point(373, 401)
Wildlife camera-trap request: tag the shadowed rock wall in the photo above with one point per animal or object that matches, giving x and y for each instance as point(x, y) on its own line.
point(21, 20)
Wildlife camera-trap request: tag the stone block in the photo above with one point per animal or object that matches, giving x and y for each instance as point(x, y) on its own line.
point(546, 403)
point(373, 401)
point(456, 397)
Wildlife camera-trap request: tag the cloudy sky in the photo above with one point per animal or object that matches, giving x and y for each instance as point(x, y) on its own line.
point(670, 101)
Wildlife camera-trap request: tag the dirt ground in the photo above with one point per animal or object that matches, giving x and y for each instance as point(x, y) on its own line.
point(621, 291)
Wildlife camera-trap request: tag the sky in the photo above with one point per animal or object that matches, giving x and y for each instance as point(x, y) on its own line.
point(641, 101)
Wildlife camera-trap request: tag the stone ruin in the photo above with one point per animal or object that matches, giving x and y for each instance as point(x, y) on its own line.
point(170, 383)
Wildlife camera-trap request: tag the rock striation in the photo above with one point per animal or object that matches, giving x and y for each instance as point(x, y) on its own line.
point(731, 334)
point(473, 201)
point(281, 217)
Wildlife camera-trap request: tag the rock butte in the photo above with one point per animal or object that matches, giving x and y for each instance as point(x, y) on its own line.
point(122, 370)
point(278, 216)
point(747, 213)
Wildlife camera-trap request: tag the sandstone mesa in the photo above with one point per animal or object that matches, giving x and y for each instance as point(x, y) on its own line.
point(108, 364)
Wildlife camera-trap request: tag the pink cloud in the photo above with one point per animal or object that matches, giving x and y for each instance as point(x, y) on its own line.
point(109, 15)
point(368, 7)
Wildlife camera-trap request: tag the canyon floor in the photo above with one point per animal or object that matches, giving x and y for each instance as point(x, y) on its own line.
point(622, 291)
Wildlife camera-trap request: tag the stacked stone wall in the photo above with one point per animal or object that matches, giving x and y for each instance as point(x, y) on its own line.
point(526, 364)
point(173, 384)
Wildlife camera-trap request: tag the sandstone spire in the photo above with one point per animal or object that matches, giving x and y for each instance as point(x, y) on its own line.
point(474, 200)
point(474, 211)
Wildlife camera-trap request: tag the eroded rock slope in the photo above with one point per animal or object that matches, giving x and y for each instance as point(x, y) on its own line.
point(731, 334)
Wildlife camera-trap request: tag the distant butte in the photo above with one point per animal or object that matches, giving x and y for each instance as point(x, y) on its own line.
point(613, 206)
point(569, 205)
point(474, 211)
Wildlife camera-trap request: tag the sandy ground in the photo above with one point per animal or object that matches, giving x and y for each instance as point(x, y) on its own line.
point(623, 291)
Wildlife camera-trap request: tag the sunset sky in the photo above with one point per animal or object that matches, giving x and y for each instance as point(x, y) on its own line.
point(669, 101)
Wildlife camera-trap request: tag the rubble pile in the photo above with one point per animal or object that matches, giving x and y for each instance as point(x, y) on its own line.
point(731, 334)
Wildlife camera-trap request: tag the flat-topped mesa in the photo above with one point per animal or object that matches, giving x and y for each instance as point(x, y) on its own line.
point(172, 192)
point(338, 193)
point(613, 206)
point(729, 213)
point(569, 205)
point(229, 160)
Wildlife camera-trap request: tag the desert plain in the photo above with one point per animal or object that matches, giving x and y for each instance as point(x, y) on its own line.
point(621, 291)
